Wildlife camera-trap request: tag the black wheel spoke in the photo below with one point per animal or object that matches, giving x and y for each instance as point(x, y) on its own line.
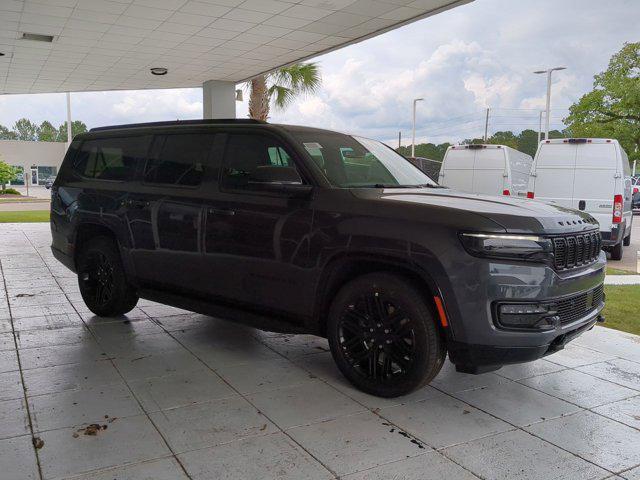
point(376, 337)
point(381, 311)
point(386, 366)
point(97, 278)
point(352, 342)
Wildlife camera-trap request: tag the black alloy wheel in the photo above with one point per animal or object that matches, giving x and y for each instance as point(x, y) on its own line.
point(377, 337)
point(102, 280)
point(97, 278)
point(383, 336)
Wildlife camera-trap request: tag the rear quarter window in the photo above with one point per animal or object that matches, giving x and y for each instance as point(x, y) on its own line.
point(114, 158)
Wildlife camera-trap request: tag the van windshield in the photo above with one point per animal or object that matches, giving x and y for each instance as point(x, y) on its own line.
point(356, 162)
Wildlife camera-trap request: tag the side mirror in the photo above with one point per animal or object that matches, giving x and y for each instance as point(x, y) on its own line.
point(277, 179)
point(295, 190)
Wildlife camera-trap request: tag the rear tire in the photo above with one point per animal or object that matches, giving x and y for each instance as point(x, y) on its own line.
point(616, 252)
point(383, 335)
point(102, 279)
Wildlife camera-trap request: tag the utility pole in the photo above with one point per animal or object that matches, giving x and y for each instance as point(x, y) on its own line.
point(413, 137)
point(486, 126)
point(399, 139)
point(540, 127)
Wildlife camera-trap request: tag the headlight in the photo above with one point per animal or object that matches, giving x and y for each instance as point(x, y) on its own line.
point(529, 248)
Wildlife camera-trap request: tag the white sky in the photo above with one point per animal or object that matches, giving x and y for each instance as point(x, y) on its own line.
point(461, 61)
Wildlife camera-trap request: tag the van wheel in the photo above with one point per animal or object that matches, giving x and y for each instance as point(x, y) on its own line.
point(627, 240)
point(616, 252)
point(383, 336)
point(102, 280)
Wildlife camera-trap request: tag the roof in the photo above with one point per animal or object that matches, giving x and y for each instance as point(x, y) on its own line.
point(172, 123)
point(94, 45)
point(579, 140)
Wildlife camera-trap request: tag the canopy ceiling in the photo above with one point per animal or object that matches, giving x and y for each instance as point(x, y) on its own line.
point(112, 44)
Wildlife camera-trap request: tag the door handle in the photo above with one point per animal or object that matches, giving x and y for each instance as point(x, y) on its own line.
point(221, 211)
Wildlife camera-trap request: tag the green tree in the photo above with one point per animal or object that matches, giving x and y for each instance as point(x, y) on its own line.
point(25, 130)
point(7, 173)
point(47, 132)
point(426, 150)
point(279, 88)
point(612, 108)
point(77, 127)
point(6, 134)
point(503, 138)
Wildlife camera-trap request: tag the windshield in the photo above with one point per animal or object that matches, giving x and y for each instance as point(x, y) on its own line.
point(351, 162)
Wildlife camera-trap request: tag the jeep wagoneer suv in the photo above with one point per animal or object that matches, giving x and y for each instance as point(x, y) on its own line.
point(305, 230)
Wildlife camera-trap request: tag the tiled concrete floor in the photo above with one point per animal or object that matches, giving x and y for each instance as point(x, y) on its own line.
point(177, 395)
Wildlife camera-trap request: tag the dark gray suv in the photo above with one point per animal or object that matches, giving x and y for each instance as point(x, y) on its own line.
point(305, 230)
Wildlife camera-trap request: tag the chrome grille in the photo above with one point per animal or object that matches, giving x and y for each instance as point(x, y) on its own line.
point(571, 251)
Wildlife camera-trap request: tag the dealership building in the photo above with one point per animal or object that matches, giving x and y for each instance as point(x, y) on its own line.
point(40, 160)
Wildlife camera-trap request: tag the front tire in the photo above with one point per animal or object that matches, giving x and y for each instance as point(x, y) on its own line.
point(102, 279)
point(383, 335)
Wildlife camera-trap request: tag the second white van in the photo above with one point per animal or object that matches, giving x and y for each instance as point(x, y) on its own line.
point(588, 174)
point(488, 169)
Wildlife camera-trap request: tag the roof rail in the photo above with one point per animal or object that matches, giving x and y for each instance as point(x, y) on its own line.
point(207, 121)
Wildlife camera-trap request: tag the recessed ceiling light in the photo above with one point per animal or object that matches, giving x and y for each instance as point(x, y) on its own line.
point(158, 71)
point(38, 37)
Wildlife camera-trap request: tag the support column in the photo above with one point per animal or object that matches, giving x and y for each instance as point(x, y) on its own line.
point(69, 120)
point(218, 99)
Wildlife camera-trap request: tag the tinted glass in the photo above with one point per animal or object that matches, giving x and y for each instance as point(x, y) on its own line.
point(360, 162)
point(179, 159)
point(111, 158)
point(256, 158)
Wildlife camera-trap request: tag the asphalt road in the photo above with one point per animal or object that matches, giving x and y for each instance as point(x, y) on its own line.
point(629, 256)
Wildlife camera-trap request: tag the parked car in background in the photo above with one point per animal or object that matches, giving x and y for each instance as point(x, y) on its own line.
point(305, 230)
point(591, 175)
point(635, 193)
point(488, 169)
point(49, 183)
point(428, 166)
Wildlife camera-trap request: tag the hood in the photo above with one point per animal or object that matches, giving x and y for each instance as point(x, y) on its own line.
point(515, 215)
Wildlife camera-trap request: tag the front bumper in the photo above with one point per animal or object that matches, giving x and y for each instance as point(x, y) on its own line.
point(475, 338)
point(472, 358)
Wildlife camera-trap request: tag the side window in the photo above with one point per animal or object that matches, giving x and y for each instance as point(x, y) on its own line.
point(111, 158)
point(254, 159)
point(179, 159)
point(279, 157)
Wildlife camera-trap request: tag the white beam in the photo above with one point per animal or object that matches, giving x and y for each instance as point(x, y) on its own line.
point(69, 136)
point(218, 99)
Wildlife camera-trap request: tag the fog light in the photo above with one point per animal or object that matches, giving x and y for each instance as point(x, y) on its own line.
point(530, 316)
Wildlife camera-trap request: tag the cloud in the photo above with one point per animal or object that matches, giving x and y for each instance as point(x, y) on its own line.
point(461, 61)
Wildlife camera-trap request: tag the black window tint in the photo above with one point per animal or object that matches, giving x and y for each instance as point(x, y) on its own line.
point(111, 158)
point(256, 158)
point(179, 159)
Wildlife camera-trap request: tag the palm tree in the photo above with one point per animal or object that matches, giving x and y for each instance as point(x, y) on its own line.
point(281, 87)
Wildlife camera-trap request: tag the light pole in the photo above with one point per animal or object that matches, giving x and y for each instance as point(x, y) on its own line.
point(548, 72)
point(413, 138)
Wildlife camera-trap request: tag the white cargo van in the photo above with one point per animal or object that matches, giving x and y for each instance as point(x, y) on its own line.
point(589, 174)
point(488, 169)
